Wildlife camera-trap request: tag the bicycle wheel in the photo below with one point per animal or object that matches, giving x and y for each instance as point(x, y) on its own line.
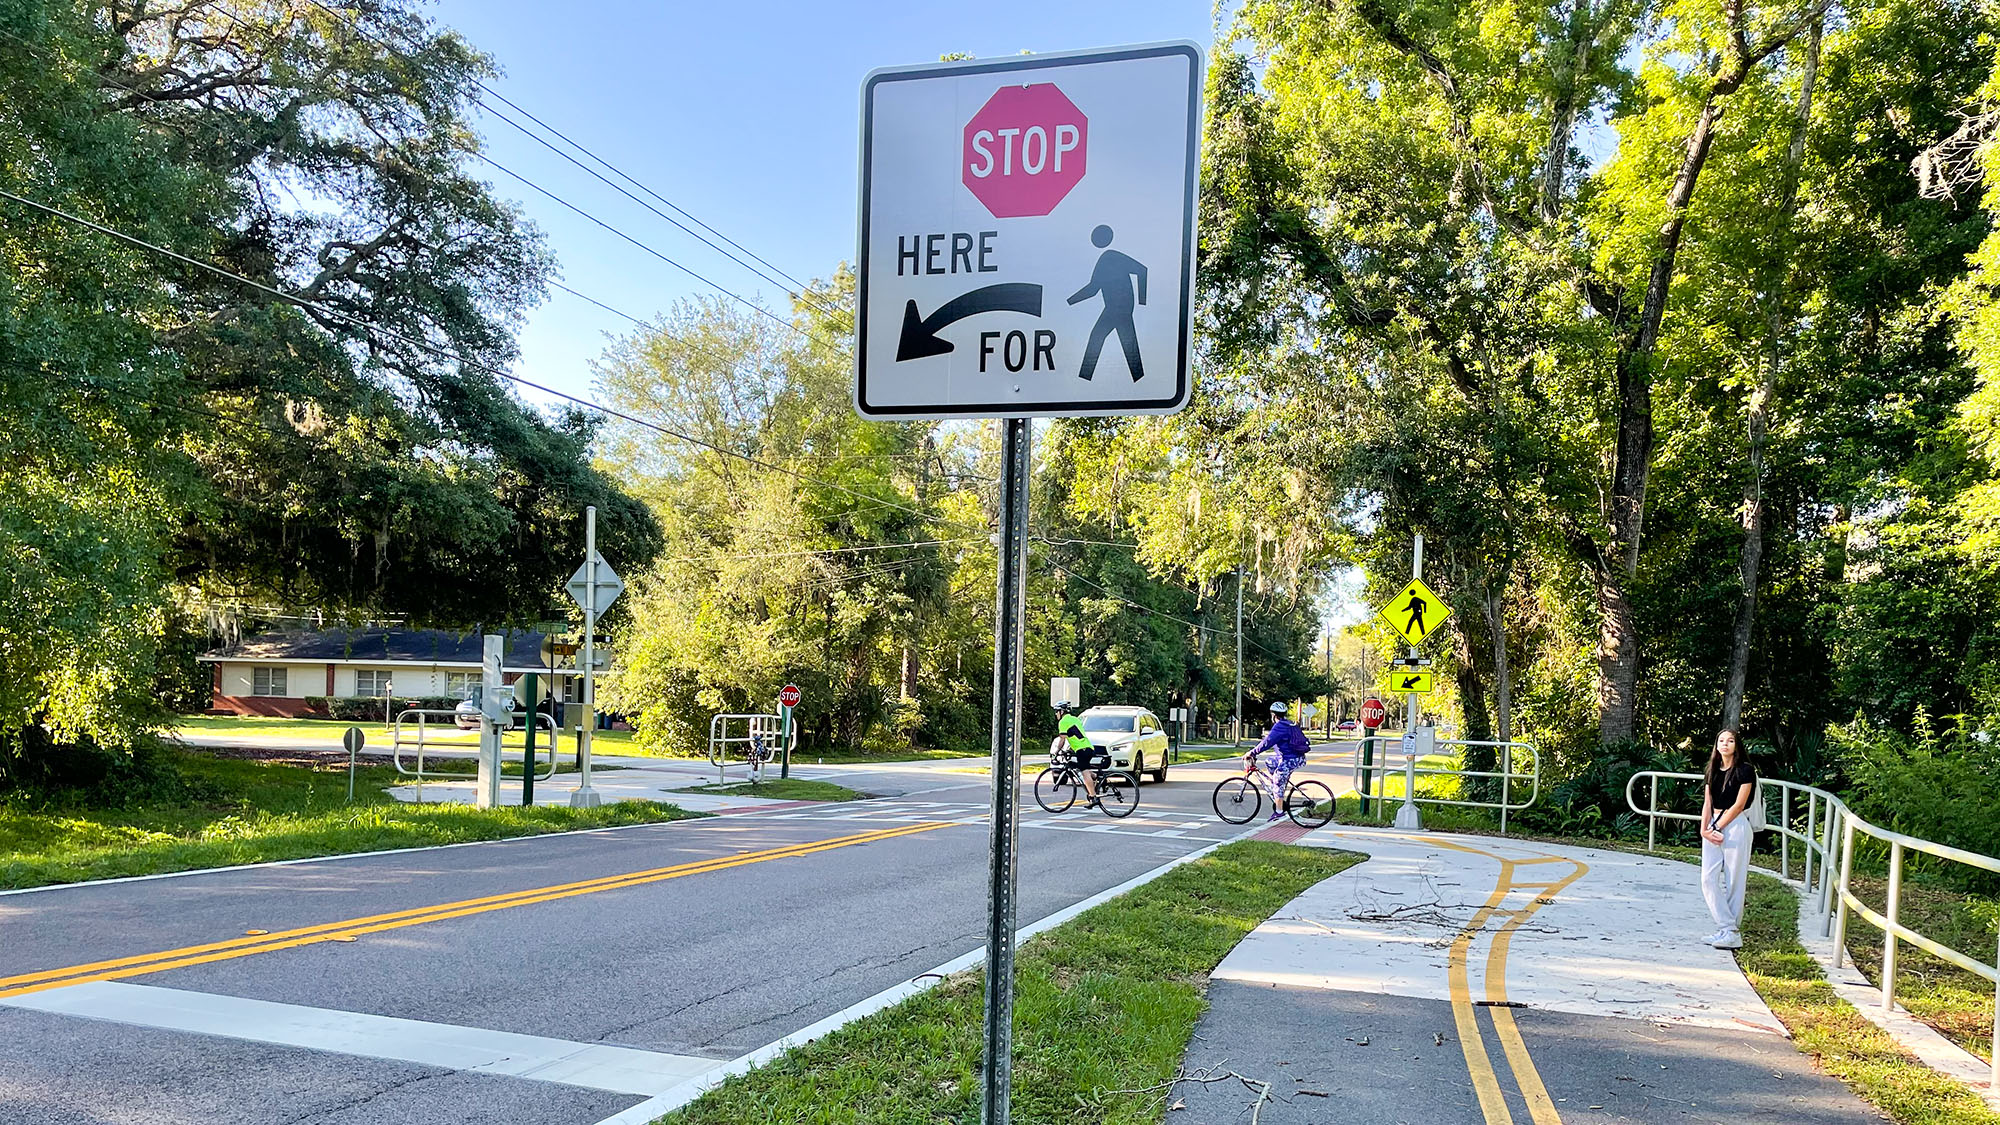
point(1118, 793)
point(1055, 789)
point(1309, 804)
point(1237, 799)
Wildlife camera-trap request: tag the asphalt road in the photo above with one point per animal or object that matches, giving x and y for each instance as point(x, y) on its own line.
point(423, 985)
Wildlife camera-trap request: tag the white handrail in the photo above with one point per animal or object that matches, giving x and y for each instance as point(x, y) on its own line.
point(425, 714)
point(1829, 836)
point(1411, 771)
point(762, 729)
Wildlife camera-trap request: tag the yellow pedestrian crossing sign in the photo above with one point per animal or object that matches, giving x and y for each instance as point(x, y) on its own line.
point(1416, 612)
point(1412, 680)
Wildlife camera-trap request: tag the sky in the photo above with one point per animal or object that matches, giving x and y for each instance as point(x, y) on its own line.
point(746, 117)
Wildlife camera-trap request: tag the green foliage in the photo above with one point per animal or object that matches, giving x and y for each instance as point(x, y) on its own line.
point(169, 434)
point(1934, 783)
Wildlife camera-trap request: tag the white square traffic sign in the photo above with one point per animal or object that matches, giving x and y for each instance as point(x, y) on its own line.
point(1027, 235)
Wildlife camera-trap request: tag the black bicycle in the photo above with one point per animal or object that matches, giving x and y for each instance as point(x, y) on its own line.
point(1057, 786)
point(1238, 799)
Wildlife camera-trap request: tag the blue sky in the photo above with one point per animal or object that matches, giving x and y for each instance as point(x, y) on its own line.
point(744, 115)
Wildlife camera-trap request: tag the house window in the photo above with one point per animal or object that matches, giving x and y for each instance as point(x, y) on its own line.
point(370, 683)
point(268, 681)
point(462, 685)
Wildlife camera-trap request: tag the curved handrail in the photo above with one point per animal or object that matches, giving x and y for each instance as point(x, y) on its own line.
point(1506, 804)
point(1829, 837)
point(425, 714)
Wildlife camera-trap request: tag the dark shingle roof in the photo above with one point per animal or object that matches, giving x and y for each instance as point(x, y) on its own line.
point(431, 646)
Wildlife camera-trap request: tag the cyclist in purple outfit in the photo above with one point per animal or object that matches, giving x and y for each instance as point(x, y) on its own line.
point(1282, 750)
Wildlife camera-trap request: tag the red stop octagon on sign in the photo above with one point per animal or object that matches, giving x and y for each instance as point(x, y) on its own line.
point(1372, 713)
point(1024, 150)
point(789, 696)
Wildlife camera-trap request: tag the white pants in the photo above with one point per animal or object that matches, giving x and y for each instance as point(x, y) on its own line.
point(1725, 873)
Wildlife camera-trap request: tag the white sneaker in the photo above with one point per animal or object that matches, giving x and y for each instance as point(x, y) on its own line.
point(1730, 940)
point(1714, 937)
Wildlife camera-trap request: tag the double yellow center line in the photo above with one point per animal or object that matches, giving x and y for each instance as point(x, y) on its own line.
point(1485, 1081)
point(349, 929)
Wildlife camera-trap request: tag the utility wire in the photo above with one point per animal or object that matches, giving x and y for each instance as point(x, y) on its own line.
point(803, 290)
point(447, 353)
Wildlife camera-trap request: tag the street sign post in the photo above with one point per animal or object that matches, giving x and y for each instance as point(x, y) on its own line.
point(1026, 250)
point(1027, 235)
point(1415, 613)
point(788, 698)
point(593, 587)
point(354, 740)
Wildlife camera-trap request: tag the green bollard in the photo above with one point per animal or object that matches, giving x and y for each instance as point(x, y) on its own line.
point(528, 757)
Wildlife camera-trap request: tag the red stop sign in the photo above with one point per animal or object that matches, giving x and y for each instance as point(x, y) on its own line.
point(1024, 150)
point(789, 696)
point(1372, 713)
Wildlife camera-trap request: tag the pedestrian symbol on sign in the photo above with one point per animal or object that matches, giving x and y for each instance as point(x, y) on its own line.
point(1416, 612)
point(1113, 280)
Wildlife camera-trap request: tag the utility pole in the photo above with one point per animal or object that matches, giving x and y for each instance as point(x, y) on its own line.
point(1329, 683)
point(1236, 731)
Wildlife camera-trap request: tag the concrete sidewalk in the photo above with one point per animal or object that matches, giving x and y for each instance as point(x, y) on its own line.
point(1471, 980)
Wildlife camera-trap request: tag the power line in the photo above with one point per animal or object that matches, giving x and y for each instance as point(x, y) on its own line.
point(447, 353)
point(825, 551)
point(803, 290)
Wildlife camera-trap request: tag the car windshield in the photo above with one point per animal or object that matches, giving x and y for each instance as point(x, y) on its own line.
point(1109, 722)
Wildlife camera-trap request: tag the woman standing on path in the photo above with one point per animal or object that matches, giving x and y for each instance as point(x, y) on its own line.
point(1726, 837)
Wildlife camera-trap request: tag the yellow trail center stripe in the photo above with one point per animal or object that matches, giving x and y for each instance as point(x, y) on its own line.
point(1540, 1107)
point(288, 939)
point(1484, 1082)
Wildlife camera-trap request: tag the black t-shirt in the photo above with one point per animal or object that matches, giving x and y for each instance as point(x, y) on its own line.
point(1725, 786)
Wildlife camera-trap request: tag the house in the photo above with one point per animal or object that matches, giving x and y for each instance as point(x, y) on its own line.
point(275, 673)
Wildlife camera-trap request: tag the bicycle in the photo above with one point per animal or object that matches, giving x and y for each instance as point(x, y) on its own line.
point(1057, 785)
point(1237, 800)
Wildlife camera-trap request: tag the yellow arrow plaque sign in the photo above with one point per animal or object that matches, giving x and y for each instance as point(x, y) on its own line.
point(1416, 612)
point(1412, 680)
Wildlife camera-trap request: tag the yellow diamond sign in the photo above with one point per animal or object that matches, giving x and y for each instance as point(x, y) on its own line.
point(1416, 612)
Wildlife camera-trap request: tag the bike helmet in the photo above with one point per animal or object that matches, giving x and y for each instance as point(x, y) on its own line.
point(1280, 709)
point(1065, 708)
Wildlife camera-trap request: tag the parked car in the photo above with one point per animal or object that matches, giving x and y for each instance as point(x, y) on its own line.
point(1133, 736)
point(1348, 724)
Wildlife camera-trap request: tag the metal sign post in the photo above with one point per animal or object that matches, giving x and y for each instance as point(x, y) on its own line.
point(353, 740)
point(1027, 249)
point(1003, 876)
point(788, 698)
point(1408, 817)
point(528, 753)
point(594, 587)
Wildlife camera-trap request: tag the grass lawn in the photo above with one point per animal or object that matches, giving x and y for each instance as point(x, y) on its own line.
point(1838, 1037)
point(438, 734)
point(783, 789)
point(1104, 1004)
point(199, 810)
point(1957, 1003)
point(804, 757)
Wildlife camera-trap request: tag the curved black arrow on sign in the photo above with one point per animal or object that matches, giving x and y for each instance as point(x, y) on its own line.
point(920, 336)
point(1411, 681)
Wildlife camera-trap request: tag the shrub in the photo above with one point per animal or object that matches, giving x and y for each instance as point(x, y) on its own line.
point(1940, 786)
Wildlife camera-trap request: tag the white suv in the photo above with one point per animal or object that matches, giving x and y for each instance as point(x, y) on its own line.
point(1132, 735)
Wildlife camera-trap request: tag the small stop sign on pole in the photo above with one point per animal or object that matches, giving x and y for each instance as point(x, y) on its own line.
point(1372, 713)
point(1025, 149)
point(789, 696)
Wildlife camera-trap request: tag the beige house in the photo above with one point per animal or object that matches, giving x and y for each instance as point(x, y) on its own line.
point(274, 674)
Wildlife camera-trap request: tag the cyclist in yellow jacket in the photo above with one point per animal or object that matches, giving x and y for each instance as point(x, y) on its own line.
point(1069, 733)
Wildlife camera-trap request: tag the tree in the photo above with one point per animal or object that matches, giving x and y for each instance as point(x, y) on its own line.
point(171, 430)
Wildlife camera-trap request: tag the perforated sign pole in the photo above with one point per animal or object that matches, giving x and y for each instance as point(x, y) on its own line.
point(1003, 876)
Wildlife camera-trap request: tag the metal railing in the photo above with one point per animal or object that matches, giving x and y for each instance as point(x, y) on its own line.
point(1367, 778)
point(757, 744)
point(423, 717)
point(1829, 837)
